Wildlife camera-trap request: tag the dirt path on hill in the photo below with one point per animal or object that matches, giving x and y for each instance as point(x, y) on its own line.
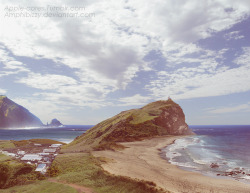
point(80, 189)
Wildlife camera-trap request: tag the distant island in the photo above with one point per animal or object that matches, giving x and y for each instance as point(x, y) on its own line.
point(55, 123)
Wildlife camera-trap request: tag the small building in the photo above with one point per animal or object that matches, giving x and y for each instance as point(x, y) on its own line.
point(21, 152)
point(41, 168)
point(37, 144)
point(55, 145)
point(52, 150)
point(11, 154)
point(31, 157)
point(46, 159)
point(43, 154)
point(4, 152)
point(7, 153)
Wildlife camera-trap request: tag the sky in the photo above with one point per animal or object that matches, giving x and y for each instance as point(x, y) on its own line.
point(85, 61)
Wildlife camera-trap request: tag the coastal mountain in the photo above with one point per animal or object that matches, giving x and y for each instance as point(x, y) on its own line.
point(155, 119)
point(55, 123)
point(14, 115)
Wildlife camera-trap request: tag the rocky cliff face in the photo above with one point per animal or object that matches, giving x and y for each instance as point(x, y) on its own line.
point(14, 115)
point(155, 119)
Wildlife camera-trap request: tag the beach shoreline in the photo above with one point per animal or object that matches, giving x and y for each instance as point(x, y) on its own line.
point(143, 160)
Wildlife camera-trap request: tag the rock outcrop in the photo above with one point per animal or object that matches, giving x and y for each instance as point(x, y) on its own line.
point(13, 115)
point(55, 123)
point(155, 119)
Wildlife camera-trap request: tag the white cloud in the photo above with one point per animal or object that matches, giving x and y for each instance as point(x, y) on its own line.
point(47, 81)
point(66, 91)
point(2, 91)
point(134, 100)
point(233, 35)
point(10, 64)
point(208, 78)
point(238, 108)
point(243, 59)
point(120, 35)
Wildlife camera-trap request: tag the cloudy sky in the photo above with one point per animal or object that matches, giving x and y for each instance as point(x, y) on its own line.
point(84, 61)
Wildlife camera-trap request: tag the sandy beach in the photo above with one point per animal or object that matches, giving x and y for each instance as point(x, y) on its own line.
point(142, 160)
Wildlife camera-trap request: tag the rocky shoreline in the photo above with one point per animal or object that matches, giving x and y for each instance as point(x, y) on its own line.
point(236, 173)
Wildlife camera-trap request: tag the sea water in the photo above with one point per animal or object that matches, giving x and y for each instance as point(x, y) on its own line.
point(64, 134)
point(214, 150)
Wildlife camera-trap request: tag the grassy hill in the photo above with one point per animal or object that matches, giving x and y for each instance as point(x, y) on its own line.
point(155, 119)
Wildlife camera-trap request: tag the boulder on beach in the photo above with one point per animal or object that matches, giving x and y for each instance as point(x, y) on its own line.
point(214, 165)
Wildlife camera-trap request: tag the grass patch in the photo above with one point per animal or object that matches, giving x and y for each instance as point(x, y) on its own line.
point(109, 146)
point(4, 144)
point(38, 141)
point(84, 169)
point(41, 187)
point(140, 116)
point(14, 172)
point(4, 158)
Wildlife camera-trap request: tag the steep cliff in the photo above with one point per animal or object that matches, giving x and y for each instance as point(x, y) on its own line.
point(14, 115)
point(155, 119)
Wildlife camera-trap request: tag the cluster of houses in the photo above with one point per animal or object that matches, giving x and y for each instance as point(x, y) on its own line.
point(42, 160)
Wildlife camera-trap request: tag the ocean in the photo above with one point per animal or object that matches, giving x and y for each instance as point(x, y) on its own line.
point(221, 151)
point(64, 134)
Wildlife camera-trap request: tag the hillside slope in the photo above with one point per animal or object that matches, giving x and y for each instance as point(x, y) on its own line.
point(155, 119)
point(14, 115)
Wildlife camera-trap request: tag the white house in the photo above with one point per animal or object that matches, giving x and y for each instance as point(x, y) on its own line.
point(41, 168)
point(52, 150)
point(31, 157)
point(21, 152)
point(43, 154)
point(55, 145)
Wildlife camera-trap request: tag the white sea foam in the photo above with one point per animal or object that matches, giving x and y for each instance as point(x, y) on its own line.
point(176, 149)
point(65, 140)
point(182, 164)
point(23, 128)
point(246, 177)
point(193, 153)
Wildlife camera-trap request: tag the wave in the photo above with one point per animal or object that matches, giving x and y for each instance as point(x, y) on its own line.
point(64, 140)
point(23, 128)
point(192, 152)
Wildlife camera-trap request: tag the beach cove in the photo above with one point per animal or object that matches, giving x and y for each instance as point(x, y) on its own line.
point(142, 160)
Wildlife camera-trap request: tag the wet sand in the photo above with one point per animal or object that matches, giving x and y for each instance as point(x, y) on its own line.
point(142, 160)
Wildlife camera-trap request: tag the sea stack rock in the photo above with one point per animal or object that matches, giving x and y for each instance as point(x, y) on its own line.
point(13, 115)
point(55, 123)
point(155, 119)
